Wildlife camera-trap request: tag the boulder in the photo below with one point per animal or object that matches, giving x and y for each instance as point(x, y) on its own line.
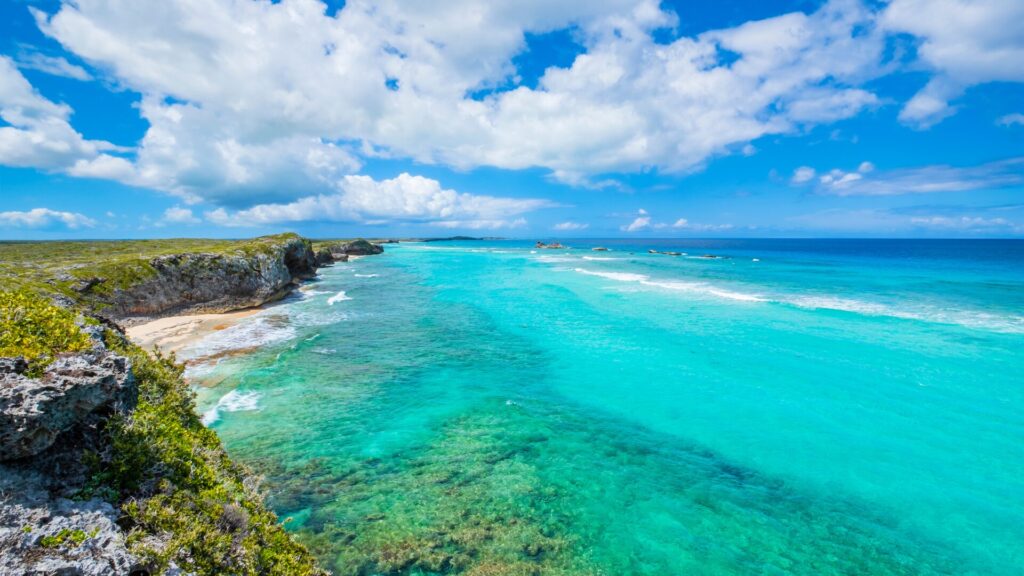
point(34, 411)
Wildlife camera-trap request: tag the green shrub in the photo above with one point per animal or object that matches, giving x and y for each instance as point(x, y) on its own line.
point(177, 482)
point(36, 328)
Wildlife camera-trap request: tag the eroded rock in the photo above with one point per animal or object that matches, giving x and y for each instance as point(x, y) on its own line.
point(34, 411)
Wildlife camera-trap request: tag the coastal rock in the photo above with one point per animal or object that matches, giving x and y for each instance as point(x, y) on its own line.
point(40, 535)
point(34, 411)
point(194, 283)
point(324, 257)
point(358, 247)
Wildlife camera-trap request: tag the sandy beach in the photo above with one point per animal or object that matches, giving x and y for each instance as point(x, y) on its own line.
point(173, 333)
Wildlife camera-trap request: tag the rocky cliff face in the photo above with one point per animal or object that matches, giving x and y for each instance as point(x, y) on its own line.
point(192, 283)
point(34, 411)
point(46, 424)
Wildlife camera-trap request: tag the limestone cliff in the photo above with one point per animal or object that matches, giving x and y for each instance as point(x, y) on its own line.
point(216, 282)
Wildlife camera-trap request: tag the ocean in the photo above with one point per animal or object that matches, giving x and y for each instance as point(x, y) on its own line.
point(787, 407)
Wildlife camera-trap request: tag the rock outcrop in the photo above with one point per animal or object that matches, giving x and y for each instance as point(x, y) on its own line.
point(358, 247)
point(34, 411)
point(194, 283)
point(324, 257)
point(46, 424)
point(44, 535)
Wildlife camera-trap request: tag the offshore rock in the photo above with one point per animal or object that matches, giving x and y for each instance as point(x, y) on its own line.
point(34, 411)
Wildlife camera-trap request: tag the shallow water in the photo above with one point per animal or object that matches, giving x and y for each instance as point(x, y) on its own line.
point(839, 407)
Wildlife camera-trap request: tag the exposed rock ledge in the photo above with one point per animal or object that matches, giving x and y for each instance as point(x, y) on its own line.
point(198, 283)
point(45, 424)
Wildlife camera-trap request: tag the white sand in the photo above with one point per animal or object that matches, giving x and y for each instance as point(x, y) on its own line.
point(175, 332)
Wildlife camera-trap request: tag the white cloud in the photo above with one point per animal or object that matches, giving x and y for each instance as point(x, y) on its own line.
point(639, 223)
point(1011, 119)
point(403, 198)
point(43, 217)
point(567, 226)
point(836, 179)
point(39, 133)
point(803, 174)
point(970, 223)
point(179, 215)
point(644, 221)
point(683, 223)
point(886, 222)
point(924, 180)
point(271, 102)
point(54, 65)
point(964, 42)
point(865, 167)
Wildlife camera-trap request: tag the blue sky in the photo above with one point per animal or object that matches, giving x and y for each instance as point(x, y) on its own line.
point(521, 119)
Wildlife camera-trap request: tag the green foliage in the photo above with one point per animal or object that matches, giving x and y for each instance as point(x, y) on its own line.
point(176, 481)
point(73, 538)
point(36, 328)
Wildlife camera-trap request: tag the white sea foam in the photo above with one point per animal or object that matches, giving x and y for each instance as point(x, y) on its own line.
point(339, 297)
point(257, 331)
point(366, 275)
point(695, 287)
point(620, 276)
point(600, 258)
point(705, 288)
point(966, 318)
point(233, 401)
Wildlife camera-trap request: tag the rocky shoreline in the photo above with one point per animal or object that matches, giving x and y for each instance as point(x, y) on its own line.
point(55, 422)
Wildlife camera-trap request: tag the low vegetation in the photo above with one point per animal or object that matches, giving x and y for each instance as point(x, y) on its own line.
point(72, 269)
point(176, 481)
point(31, 326)
point(184, 501)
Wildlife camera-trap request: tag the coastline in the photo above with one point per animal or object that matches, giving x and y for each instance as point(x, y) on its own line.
point(173, 333)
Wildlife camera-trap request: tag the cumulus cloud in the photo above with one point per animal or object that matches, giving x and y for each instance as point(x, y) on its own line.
point(405, 198)
point(39, 133)
point(641, 222)
point(44, 217)
point(803, 174)
point(179, 215)
point(964, 42)
point(256, 102)
point(569, 226)
point(923, 180)
point(1011, 119)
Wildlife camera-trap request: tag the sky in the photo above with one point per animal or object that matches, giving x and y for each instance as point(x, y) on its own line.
point(519, 118)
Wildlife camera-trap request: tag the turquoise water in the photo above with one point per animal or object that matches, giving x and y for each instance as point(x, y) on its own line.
point(798, 407)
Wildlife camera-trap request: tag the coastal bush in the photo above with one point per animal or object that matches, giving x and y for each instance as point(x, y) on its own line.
point(36, 328)
point(185, 501)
